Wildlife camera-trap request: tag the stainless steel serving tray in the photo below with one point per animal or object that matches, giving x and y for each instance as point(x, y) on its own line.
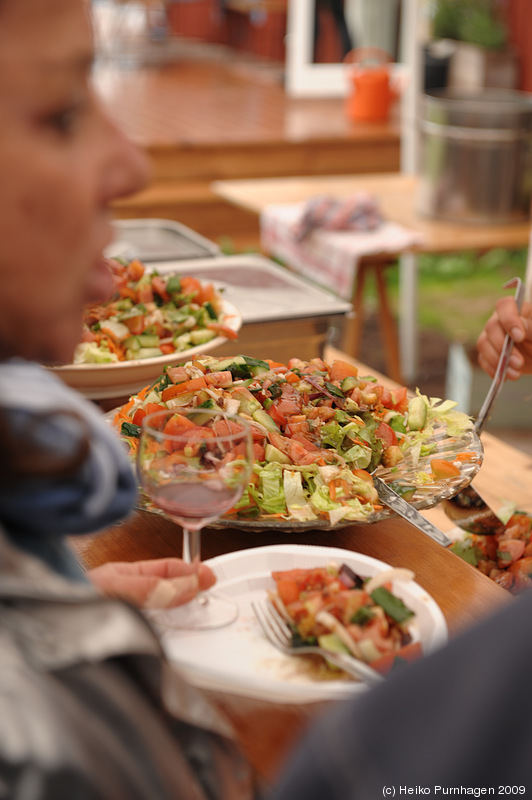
point(159, 240)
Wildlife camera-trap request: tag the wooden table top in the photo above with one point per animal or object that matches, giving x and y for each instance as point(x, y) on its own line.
point(397, 196)
point(267, 731)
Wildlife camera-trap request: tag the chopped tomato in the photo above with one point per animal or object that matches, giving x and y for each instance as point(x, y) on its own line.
point(177, 424)
point(177, 374)
point(305, 579)
point(276, 415)
point(226, 427)
point(127, 292)
point(144, 293)
point(158, 285)
point(386, 434)
point(207, 293)
point(522, 572)
point(509, 550)
point(135, 270)
point(221, 379)
point(441, 469)
point(167, 348)
point(288, 590)
point(139, 415)
point(151, 408)
point(410, 652)
point(134, 324)
point(342, 369)
point(298, 429)
point(399, 398)
point(287, 407)
point(190, 286)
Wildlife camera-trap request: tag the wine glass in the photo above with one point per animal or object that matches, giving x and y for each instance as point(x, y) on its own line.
point(194, 464)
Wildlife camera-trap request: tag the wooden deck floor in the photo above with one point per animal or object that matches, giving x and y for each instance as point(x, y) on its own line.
point(211, 114)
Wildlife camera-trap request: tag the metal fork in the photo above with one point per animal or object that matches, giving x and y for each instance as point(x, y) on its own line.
point(277, 631)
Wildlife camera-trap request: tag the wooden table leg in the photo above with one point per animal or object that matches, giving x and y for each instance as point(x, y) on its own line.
point(388, 326)
point(353, 328)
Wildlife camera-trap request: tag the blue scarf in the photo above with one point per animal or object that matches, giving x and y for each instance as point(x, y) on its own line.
point(39, 512)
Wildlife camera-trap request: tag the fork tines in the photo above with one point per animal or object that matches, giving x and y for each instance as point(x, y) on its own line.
point(273, 625)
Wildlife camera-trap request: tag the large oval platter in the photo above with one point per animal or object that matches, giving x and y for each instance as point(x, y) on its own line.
point(446, 435)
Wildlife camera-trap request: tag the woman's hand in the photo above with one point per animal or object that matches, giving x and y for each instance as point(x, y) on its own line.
point(156, 583)
point(507, 319)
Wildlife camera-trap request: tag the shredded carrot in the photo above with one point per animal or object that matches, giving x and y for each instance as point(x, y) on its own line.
point(465, 457)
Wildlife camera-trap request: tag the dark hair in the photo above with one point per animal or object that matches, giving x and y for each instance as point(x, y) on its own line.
point(23, 458)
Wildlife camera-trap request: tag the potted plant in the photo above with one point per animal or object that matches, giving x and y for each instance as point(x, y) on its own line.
point(482, 56)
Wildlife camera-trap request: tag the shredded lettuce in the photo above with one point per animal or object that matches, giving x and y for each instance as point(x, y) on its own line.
point(358, 456)
point(296, 502)
point(91, 353)
point(270, 495)
point(444, 412)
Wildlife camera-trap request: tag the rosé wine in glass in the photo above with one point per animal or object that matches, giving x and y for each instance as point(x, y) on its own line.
point(194, 464)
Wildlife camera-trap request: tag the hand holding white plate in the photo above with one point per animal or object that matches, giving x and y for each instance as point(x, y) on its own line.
point(240, 660)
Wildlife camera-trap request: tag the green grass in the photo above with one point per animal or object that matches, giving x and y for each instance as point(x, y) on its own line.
point(457, 293)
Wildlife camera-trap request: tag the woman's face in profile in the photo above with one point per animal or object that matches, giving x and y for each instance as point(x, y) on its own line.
point(62, 162)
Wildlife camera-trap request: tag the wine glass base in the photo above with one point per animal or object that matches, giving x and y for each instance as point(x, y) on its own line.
point(204, 613)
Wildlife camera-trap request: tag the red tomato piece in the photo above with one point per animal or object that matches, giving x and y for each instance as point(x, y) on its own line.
point(226, 427)
point(135, 324)
point(342, 369)
point(158, 285)
point(135, 270)
point(288, 591)
point(276, 415)
point(410, 652)
point(220, 379)
point(138, 416)
point(508, 551)
point(386, 434)
point(177, 374)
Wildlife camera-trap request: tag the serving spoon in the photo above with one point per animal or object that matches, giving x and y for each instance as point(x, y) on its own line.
point(467, 508)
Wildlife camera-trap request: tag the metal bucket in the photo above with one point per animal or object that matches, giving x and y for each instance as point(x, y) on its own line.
point(476, 156)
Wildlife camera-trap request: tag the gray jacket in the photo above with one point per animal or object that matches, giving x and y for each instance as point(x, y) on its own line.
point(89, 707)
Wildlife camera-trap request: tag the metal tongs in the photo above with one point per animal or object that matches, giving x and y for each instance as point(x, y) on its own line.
point(467, 508)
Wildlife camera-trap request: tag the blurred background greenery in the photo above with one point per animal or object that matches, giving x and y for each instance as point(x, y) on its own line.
point(457, 292)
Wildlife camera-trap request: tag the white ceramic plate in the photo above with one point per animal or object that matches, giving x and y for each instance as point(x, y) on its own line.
point(97, 381)
point(239, 660)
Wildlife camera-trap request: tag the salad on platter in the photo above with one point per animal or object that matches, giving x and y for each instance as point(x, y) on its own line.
point(150, 315)
point(334, 607)
point(319, 431)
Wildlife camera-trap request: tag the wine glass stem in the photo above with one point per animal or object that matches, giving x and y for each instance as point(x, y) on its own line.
point(192, 555)
point(192, 546)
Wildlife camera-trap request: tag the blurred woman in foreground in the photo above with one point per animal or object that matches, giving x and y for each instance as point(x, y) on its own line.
point(88, 707)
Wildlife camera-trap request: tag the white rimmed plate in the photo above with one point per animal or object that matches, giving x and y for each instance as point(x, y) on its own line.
point(239, 660)
point(123, 378)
